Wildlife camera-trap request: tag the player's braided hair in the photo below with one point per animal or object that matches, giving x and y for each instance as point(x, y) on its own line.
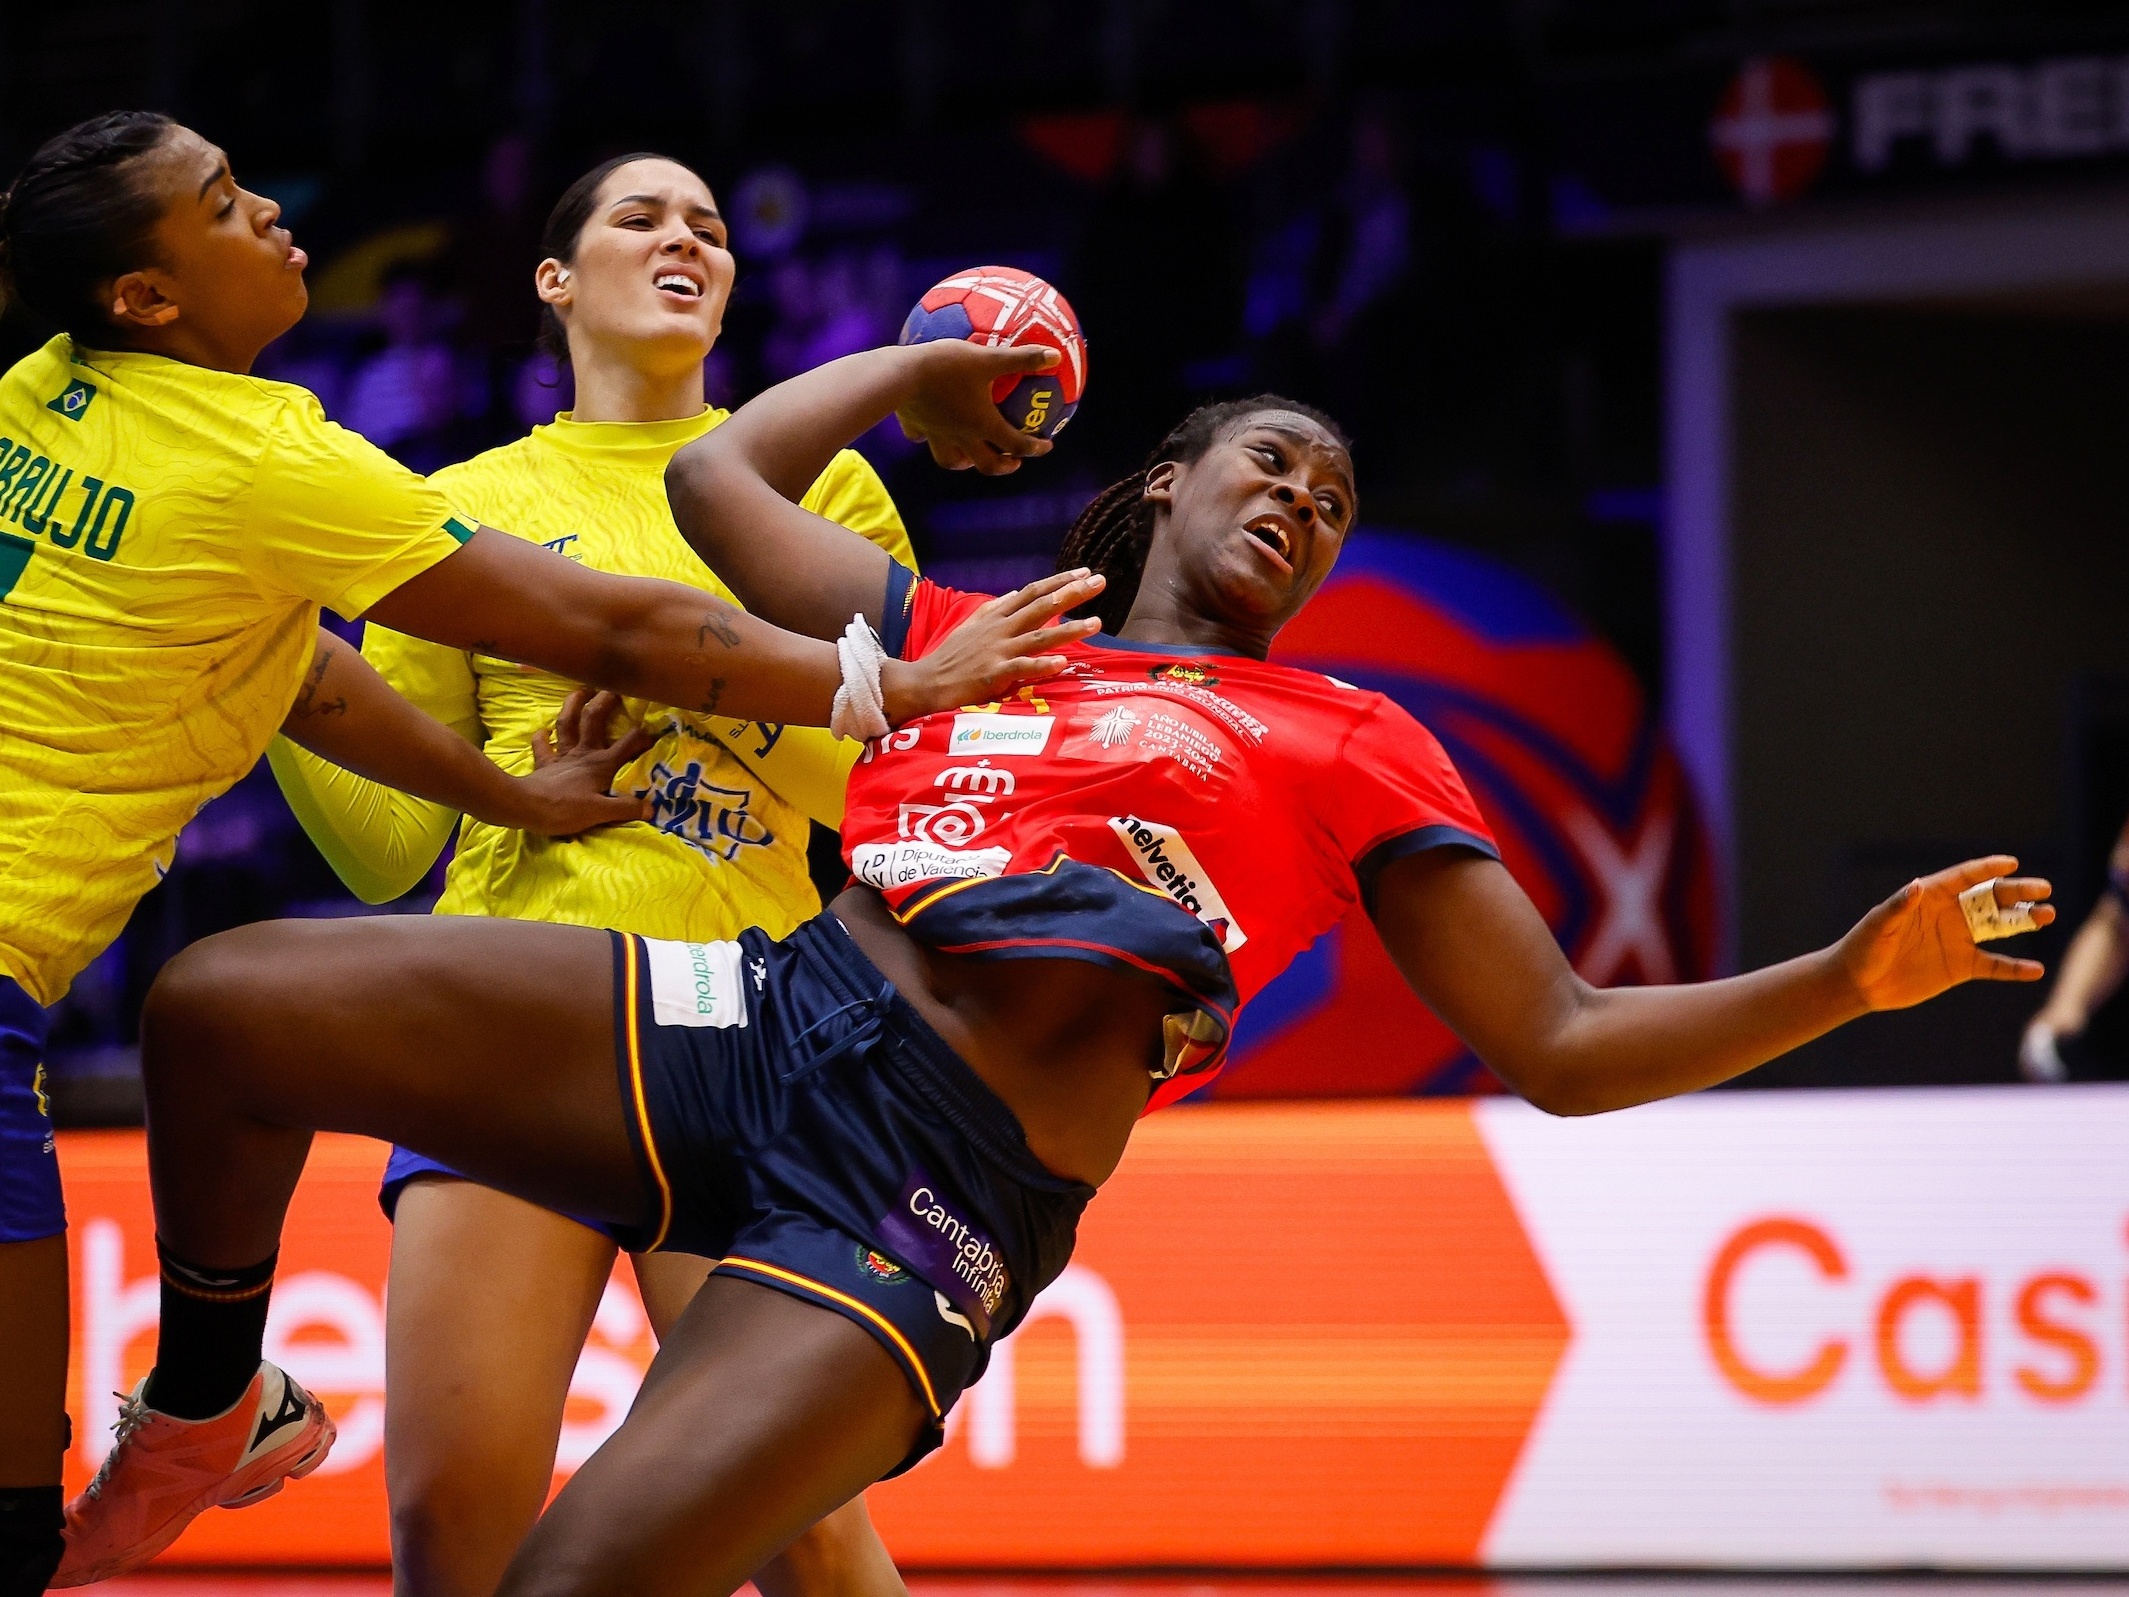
point(76, 217)
point(565, 226)
point(1115, 531)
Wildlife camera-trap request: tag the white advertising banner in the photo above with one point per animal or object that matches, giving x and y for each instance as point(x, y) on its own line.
point(1828, 1329)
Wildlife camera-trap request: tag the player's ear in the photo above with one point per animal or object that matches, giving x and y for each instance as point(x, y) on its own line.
point(551, 281)
point(137, 300)
point(1160, 484)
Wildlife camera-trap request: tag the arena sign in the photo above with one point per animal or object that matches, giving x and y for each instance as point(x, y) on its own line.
point(1773, 129)
point(1776, 1330)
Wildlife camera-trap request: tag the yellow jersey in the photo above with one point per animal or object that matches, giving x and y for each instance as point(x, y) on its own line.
point(167, 535)
point(725, 847)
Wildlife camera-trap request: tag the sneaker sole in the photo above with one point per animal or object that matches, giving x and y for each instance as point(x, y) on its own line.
point(315, 1446)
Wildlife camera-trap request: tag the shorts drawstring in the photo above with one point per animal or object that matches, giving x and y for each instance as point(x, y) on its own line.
point(857, 1040)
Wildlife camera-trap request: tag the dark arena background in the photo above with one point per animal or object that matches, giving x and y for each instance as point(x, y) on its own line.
point(1741, 400)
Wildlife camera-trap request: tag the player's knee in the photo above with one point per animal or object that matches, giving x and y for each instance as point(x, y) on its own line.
point(840, 1556)
point(458, 1519)
point(202, 992)
point(453, 1537)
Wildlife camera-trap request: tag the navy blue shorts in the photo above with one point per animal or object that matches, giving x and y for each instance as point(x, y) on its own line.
point(31, 1206)
point(405, 1164)
point(799, 1122)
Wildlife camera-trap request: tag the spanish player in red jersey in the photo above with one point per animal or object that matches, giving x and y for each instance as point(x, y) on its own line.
point(886, 1125)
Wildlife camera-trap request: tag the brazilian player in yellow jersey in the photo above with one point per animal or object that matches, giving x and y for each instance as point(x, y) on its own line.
point(173, 526)
point(729, 800)
point(491, 1296)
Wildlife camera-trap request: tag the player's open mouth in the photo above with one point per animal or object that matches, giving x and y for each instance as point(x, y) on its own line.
point(678, 283)
point(1272, 533)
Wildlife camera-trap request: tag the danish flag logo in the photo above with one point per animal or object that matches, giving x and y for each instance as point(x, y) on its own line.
point(1773, 129)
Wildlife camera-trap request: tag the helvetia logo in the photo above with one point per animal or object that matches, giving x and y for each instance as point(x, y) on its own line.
point(1165, 860)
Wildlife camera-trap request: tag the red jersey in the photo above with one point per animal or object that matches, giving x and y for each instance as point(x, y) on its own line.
point(1198, 816)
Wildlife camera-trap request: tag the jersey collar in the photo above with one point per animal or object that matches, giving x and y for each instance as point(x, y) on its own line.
point(627, 439)
point(1102, 640)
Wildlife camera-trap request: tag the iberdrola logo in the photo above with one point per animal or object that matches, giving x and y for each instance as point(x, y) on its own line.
point(73, 402)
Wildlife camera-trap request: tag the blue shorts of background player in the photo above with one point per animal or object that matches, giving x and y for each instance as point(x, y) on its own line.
point(31, 1207)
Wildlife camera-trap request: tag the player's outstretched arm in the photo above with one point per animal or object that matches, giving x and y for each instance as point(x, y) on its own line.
point(1474, 947)
point(735, 489)
point(347, 713)
point(677, 645)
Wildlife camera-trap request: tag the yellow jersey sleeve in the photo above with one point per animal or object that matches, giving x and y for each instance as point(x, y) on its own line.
point(809, 765)
point(378, 840)
point(335, 520)
point(850, 494)
point(434, 678)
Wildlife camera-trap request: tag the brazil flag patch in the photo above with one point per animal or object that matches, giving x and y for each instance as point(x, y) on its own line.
point(73, 403)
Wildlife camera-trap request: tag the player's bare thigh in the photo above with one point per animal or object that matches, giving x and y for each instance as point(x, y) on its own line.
point(487, 1044)
point(760, 1415)
point(490, 1301)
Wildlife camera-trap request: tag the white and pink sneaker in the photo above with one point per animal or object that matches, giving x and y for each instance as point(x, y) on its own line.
point(162, 1472)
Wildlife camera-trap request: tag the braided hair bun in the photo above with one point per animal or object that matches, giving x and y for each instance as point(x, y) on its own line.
point(77, 216)
point(1114, 534)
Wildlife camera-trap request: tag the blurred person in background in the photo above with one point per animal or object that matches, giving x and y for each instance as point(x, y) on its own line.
point(491, 1297)
point(406, 397)
point(2092, 971)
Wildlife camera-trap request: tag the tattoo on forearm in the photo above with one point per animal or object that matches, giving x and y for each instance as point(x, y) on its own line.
point(719, 628)
point(307, 701)
point(716, 697)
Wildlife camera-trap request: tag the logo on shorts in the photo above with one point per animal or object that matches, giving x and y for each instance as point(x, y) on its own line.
point(73, 401)
point(696, 984)
point(952, 1316)
point(881, 1268)
point(946, 1251)
point(44, 1098)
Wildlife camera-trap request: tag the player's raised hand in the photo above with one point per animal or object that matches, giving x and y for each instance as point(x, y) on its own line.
point(1916, 944)
point(951, 408)
point(574, 765)
point(1001, 644)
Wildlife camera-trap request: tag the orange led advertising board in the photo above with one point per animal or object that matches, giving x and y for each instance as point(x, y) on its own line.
point(1797, 1329)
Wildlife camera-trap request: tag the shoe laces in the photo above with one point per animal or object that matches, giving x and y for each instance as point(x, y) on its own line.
point(132, 1415)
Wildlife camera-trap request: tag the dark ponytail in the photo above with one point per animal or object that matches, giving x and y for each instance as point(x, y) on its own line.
point(79, 216)
point(565, 225)
point(1115, 532)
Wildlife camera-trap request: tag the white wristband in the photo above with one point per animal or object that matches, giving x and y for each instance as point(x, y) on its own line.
point(1986, 920)
point(859, 712)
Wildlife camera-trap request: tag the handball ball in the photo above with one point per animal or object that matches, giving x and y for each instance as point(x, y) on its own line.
point(994, 305)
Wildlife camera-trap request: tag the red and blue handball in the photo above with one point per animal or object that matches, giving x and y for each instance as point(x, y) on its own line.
point(1002, 305)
